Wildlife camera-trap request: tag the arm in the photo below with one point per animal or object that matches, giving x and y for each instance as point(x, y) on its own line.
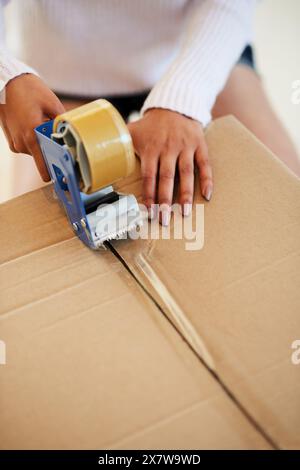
point(216, 33)
point(10, 67)
point(170, 132)
point(25, 102)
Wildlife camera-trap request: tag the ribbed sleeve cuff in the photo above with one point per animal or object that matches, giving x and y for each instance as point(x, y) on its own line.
point(215, 34)
point(179, 98)
point(10, 67)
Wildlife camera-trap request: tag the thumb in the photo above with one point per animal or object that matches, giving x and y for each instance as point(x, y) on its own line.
point(35, 151)
point(53, 108)
point(130, 127)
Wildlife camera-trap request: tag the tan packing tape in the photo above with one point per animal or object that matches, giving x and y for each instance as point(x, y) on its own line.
point(101, 142)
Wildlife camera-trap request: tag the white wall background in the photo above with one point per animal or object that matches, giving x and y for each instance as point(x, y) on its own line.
point(278, 56)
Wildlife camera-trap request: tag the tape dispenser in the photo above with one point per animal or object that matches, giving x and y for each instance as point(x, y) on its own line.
point(86, 150)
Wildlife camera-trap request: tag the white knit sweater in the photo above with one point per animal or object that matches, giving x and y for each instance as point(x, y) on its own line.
point(183, 50)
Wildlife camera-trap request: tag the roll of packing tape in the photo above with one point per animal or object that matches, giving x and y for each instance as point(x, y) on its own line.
point(99, 141)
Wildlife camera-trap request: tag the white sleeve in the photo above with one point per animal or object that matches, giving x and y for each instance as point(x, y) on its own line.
point(216, 32)
point(10, 67)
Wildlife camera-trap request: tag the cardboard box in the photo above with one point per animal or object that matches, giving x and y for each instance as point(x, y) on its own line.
point(197, 356)
point(240, 294)
point(91, 361)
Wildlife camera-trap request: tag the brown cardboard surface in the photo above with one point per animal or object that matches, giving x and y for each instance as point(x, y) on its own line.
point(32, 221)
point(91, 361)
point(240, 294)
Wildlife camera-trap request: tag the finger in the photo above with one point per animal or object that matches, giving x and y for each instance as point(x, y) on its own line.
point(166, 186)
point(35, 151)
point(205, 171)
point(186, 177)
point(149, 162)
point(8, 138)
point(20, 145)
point(53, 108)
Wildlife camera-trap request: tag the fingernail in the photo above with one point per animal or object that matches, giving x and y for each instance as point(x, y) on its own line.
point(208, 193)
point(187, 208)
point(165, 217)
point(151, 212)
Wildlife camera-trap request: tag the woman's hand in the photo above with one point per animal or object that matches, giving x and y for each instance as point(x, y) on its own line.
point(28, 103)
point(165, 139)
